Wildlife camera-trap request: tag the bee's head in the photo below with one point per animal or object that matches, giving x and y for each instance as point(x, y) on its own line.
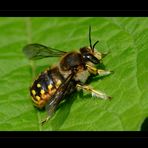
point(90, 54)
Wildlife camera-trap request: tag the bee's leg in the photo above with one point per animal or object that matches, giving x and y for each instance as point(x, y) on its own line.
point(95, 93)
point(96, 71)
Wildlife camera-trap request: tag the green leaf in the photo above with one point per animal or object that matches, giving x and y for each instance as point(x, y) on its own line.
point(125, 38)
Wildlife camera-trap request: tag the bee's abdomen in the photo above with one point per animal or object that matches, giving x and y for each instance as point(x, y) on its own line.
point(45, 86)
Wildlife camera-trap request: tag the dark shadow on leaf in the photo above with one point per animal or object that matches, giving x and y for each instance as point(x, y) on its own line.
point(100, 66)
point(144, 126)
point(64, 108)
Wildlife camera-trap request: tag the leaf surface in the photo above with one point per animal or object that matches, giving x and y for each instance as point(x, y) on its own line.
point(125, 38)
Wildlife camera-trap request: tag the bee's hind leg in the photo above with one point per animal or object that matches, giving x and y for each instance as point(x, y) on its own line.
point(98, 94)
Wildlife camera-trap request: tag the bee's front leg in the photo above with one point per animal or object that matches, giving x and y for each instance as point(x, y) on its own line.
point(95, 93)
point(96, 71)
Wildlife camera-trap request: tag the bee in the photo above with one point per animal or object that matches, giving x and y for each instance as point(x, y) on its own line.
point(70, 74)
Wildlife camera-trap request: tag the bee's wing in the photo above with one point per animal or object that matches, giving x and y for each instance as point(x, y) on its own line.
point(38, 51)
point(57, 97)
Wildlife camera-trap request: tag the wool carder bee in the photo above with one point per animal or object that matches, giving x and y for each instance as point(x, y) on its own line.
point(71, 73)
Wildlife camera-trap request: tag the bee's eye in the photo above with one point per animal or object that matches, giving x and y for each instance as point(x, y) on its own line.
point(90, 57)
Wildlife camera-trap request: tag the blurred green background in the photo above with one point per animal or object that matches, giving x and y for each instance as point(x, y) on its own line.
point(127, 40)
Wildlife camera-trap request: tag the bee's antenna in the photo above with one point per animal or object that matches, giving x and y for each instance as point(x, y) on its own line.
point(95, 44)
point(90, 37)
